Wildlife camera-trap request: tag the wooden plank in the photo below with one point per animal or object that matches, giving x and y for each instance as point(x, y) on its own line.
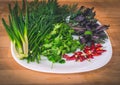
point(71, 0)
point(12, 73)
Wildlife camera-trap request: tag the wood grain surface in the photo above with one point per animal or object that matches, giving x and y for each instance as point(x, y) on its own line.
point(12, 73)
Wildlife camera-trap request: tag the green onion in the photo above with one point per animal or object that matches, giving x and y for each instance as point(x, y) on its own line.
point(17, 30)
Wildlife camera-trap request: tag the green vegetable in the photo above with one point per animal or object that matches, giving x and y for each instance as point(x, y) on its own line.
point(17, 30)
point(60, 42)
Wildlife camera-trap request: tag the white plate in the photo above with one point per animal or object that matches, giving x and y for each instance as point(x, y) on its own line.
point(69, 66)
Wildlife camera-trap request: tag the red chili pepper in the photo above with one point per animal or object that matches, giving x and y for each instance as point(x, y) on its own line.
point(88, 53)
point(87, 48)
point(78, 53)
point(90, 56)
point(96, 54)
point(98, 45)
point(81, 59)
point(65, 56)
point(99, 51)
point(71, 58)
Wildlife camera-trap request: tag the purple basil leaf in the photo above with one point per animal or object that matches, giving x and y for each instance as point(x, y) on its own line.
point(102, 34)
point(79, 30)
point(101, 28)
point(95, 37)
point(79, 18)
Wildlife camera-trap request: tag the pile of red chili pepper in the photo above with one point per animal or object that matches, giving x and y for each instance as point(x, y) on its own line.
point(88, 53)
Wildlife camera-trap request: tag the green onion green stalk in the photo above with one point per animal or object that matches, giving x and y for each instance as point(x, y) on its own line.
point(17, 29)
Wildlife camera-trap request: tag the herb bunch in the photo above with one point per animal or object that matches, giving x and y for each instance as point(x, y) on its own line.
point(58, 42)
point(42, 17)
point(17, 29)
point(86, 26)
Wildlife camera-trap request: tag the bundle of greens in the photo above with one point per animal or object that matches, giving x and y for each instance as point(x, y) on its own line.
point(87, 27)
point(58, 42)
point(45, 28)
point(42, 17)
point(18, 30)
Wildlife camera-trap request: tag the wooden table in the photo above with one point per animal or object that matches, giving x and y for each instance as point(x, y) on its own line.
point(12, 73)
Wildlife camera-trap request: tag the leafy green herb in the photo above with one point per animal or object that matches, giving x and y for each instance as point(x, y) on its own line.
point(60, 42)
